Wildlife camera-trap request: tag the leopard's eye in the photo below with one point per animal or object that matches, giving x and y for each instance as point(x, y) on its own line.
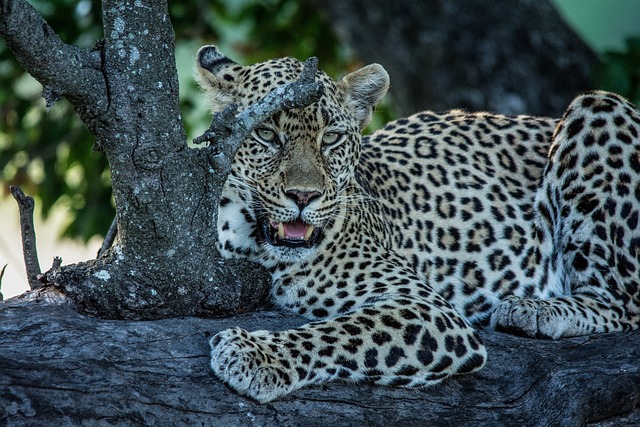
point(331, 139)
point(266, 135)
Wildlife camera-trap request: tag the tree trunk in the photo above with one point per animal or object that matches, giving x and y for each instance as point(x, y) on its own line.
point(506, 56)
point(61, 368)
point(126, 91)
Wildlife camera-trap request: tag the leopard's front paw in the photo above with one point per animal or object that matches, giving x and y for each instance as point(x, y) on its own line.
point(529, 317)
point(248, 363)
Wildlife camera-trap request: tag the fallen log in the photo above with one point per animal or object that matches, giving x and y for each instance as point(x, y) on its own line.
point(58, 367)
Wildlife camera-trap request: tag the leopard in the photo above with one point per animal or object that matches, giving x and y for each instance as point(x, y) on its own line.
point(399, 246)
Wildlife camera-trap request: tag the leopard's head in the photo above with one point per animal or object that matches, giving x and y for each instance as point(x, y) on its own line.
point(289, 177)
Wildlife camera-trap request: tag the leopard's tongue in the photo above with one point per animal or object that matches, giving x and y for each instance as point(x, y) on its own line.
point(294, 230)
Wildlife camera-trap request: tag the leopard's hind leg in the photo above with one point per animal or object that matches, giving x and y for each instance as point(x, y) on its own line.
point(587, 220)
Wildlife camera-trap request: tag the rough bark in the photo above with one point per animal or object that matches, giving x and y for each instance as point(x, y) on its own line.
point(61, 368)
point(126, 91)
point(506, 56)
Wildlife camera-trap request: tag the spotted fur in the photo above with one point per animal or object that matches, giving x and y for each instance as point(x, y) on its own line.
point(397, 245)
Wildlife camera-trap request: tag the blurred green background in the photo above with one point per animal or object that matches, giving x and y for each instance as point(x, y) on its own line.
point(49, 152)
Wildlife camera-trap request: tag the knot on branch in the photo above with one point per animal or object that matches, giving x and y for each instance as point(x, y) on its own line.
point(148, 156)
point(51, 95)
point(50, 277)
point(220, 127)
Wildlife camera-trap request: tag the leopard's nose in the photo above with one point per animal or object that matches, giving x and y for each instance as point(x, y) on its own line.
point(301, 197)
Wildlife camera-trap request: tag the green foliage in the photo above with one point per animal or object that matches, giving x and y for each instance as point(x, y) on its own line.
point(620, 71)
point(251, 31)
point(248, 31)
point(260, 30)
point(49, 153)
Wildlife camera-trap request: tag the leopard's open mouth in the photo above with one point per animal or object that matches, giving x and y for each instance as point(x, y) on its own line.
point(294, 234)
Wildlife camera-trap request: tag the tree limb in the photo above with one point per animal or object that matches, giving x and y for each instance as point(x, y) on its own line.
point(29, 250)
point(62, 69)
point(53, 372)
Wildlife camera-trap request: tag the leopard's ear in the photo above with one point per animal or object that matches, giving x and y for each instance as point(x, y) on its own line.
point(216, 74)
point(364, 88)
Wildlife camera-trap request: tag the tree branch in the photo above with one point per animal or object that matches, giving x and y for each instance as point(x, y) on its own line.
point(52, 371)
point(29, 250)
point(4, 268)
point(110, 237)
point(63, 70)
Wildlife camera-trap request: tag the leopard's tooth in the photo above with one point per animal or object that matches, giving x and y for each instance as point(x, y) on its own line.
point(280, 230)
point(307, 235)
